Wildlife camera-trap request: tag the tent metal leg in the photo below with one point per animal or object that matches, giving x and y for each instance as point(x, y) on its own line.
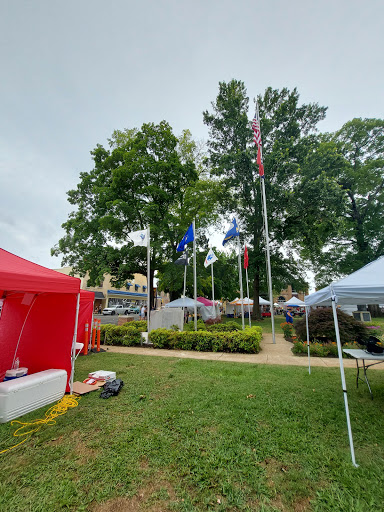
point(344, 386)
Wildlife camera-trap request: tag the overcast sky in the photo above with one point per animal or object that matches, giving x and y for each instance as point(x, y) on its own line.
point(72, 72)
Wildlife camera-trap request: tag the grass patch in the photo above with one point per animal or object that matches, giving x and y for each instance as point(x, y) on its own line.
point(188, 435)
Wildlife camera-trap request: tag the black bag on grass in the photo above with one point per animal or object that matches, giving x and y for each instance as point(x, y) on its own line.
point(112, 388)
point(373, 347)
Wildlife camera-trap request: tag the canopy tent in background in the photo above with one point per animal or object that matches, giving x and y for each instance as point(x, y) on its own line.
point(365, 286)
point(295, 302)
point(38, 316)
point(234, 306)
point(183, 302)
point(206, 302)
point(209, 310)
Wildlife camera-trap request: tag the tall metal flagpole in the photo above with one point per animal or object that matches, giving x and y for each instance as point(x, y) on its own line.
point(241, 284)
point(148, 278)
point(267, 238)
point(213, 287)
point(249, 305)
point(185, 282)
point(194, 274)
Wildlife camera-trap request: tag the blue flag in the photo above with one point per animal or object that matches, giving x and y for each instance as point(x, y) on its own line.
point(188, 237)
point(233, 231)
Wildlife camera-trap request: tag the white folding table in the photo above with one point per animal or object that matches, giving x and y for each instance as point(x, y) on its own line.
point(361, 355)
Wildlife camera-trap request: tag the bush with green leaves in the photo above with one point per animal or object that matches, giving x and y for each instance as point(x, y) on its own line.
point(228, 326)
point(246, 341)
point(128, 334)
point(322, 327)
point(321, 349)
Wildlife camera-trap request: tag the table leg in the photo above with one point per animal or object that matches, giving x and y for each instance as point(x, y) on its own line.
point(366, 379)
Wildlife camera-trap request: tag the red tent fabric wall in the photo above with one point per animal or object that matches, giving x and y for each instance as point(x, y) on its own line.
point(85, 314)
point(38, 316)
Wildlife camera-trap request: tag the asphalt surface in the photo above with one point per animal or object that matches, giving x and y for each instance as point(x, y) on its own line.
point(112, 319)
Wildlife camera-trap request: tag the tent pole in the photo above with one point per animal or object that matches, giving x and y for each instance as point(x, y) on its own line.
point(73, 354)
point(194, 276)
point(149, 281)
point(339, 349)
point(306, 323)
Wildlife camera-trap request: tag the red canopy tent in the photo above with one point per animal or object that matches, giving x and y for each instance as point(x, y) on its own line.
point(38, 317)
point(87, 300)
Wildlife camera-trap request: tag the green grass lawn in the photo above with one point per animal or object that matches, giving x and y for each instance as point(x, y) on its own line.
point(265, 324)
point(189, 435)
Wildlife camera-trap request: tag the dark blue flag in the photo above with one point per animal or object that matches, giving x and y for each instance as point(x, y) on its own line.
point(188, 237)
point(233, 231)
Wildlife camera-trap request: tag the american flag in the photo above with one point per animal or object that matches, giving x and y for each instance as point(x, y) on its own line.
point(257, 139)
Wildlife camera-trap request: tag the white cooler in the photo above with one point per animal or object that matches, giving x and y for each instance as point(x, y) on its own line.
point(25, 394)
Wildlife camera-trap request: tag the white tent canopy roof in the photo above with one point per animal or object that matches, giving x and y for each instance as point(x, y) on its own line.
point(294, 301)
point(365, 286)
point(183, 302)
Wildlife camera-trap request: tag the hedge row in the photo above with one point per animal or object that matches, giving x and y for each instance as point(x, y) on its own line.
point(321, 349)
point(128, 334)
point(247, 341)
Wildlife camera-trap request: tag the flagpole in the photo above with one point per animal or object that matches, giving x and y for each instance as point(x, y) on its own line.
point(194, 274)
point(213, 286)
point(185, 283)
point(249, 306)
point(241, 284)
point(148, 279)
point(267, 239)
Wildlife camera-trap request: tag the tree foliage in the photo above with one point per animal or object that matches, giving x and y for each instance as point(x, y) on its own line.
point(145, 178)
point(287, 131)
point(342, 193)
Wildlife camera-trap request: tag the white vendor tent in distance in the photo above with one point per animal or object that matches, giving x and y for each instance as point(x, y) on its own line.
point(294, 302)
point(183, 302)
point(365, 286)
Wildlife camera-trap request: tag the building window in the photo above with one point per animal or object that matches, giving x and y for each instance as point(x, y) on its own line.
point(137, 286)
point(128, 285)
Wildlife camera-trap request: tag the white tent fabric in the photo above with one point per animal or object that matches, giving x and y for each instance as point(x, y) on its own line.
point(294, 301)
point(365, 286)
point(183, 302)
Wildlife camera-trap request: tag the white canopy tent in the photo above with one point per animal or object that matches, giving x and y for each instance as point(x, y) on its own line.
point(294, 302)
point(183, 302)
point(365, 286)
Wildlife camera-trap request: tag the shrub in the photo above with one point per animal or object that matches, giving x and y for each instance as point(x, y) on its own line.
point(247, 341)
point(127, 334)
point(322, 328)
point(190, 326)
point(287, 330)
point(227, 327)
point(321, 349)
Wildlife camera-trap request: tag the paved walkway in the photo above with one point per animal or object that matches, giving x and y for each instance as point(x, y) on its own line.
point(278, 353)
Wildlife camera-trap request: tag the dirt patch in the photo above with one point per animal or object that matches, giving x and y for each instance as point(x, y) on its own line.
point(156, 496)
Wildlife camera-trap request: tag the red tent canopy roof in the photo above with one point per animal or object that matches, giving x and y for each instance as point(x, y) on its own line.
point(205, 301)
point(18, 274)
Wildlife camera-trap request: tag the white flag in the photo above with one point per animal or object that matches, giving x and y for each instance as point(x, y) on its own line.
point(139, 237)
point(211, 258)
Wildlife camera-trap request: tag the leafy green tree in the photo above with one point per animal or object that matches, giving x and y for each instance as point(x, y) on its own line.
point(226, 280)
point(141, 180)
point(343, 181)
point(287, 131)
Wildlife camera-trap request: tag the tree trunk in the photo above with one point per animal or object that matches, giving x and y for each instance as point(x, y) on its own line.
point(375, 311)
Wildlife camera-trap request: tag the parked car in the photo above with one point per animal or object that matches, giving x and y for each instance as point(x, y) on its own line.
point(116, 310)
point(134, 309)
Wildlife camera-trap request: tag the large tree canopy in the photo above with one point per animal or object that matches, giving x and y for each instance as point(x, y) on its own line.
point(148, 177)
point(287, 129)
point(342, 194)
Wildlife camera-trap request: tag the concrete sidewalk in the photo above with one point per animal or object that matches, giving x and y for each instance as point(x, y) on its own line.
point(279, 353)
